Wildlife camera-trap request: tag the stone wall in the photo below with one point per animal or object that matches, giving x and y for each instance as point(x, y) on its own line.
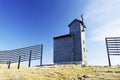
point(63, 50)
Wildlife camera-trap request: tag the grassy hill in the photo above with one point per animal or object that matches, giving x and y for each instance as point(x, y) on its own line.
point(60, 72)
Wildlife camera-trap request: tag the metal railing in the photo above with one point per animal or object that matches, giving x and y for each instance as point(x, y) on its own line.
point(21, 55)
point(113, 47)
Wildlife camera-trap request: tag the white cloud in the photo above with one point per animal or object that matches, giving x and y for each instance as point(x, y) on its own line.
point(103, 18)
point(110, 29)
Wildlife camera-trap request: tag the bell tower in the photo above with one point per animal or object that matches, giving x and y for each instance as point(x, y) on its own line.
point(77, 30)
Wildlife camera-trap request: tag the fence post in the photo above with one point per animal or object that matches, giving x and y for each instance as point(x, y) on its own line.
point(108, 53)
point(19, 62)
point(30, 58)
point(9, 64)
point(41, 55)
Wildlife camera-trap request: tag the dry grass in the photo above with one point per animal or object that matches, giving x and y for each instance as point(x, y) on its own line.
point(61, 72)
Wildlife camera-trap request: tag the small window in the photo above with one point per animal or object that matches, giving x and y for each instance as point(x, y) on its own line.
point(84, 49)
point(83, 42)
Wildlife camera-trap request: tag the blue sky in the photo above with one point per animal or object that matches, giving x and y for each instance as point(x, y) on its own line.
point(30, 22)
